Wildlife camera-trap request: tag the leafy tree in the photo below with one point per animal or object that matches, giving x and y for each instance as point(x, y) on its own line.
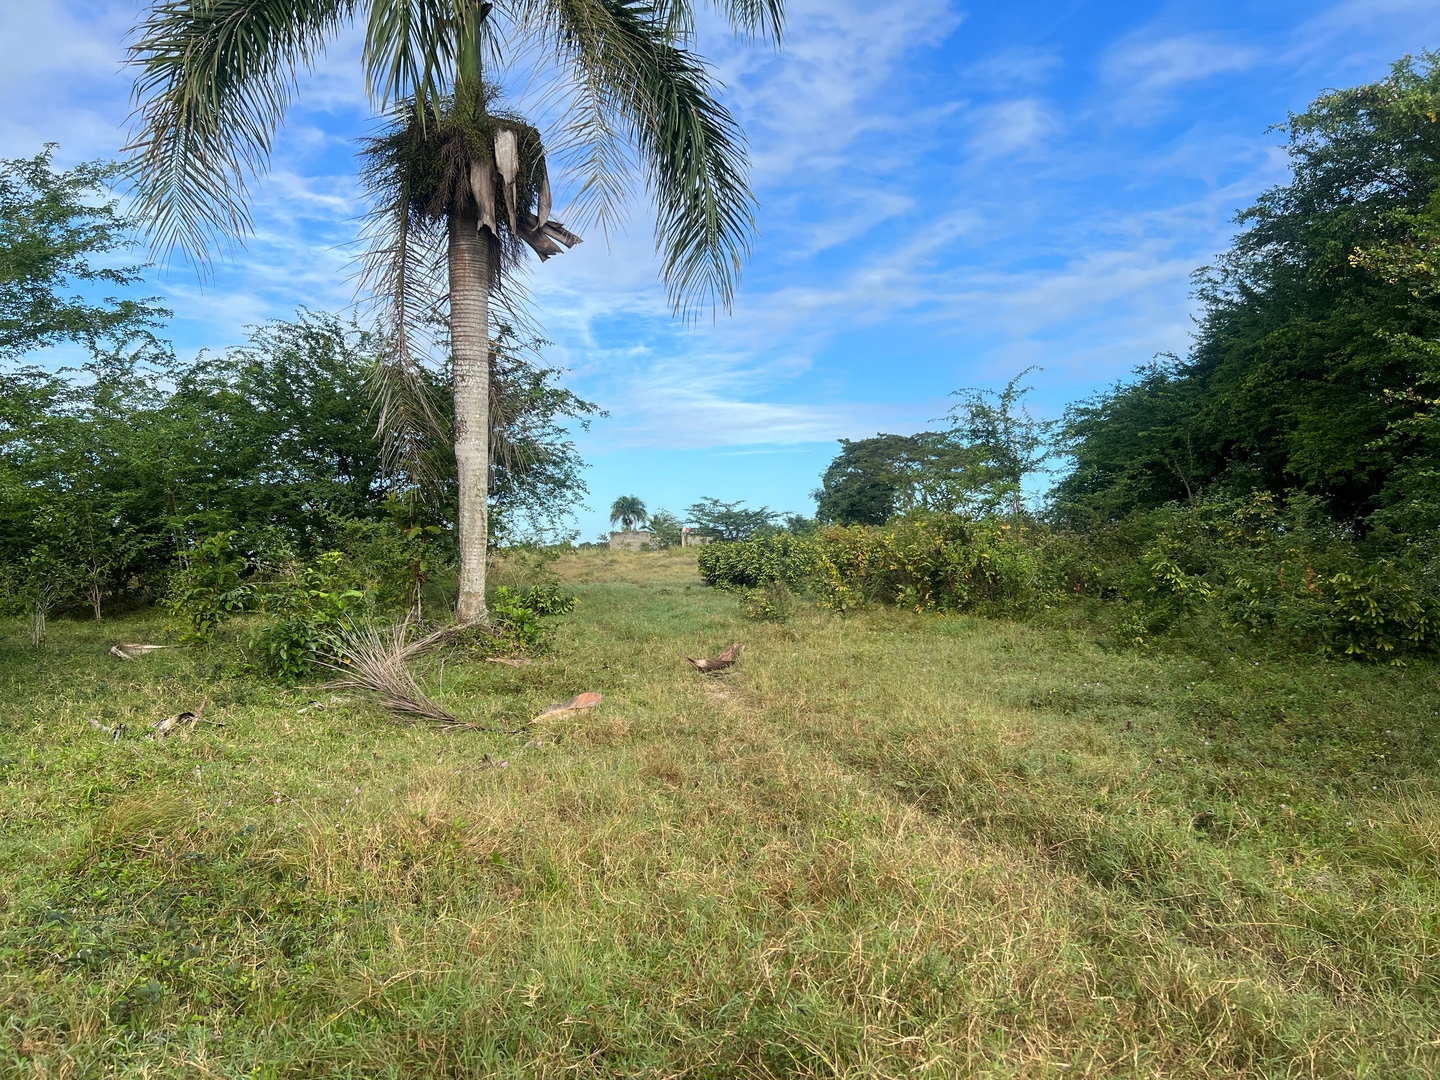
point(1316, 367)
point(730, 521)
point(1001, 444)
point(215, 80)
point(52, 224)
point(872, 480)
point(977, 467)
point(667, 529)
point(628, 512)
point(119, 468)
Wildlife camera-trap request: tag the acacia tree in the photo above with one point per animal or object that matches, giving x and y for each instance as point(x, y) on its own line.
point(217, 76)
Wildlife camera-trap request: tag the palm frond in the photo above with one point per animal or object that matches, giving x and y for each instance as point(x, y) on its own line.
point(763, 19)
point(639, 82)
point(215, 79)
point(411, 51)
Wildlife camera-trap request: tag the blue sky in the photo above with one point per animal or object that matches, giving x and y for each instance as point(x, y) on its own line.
point(949, 193)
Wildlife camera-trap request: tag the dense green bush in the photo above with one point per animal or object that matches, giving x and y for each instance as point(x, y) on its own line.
point(207, 587)
point(933, 563)
point(1221, 570)
point(305, 604)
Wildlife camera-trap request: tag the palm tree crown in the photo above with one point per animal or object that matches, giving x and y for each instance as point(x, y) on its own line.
point(216, 77)
point(628, 512)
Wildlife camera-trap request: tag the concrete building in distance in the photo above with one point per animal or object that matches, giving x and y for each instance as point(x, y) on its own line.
point(635, 540)
point(690, 538)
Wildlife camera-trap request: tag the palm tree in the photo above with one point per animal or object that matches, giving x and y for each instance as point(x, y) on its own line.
point(215, 78)
point(628, 512)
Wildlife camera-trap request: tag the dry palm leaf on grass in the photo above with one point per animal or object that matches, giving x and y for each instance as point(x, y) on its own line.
point(369, 658)
point(725, 660)
point(129, 651)
point(375, 659)
point(578, 703)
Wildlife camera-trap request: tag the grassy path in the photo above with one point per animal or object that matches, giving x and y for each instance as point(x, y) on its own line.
point(887, 845)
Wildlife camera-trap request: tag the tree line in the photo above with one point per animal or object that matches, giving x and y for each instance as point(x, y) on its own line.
point(1315, 368)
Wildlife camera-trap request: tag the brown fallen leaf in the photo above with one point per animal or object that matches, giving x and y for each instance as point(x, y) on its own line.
point(578, 703)
point(509, 661)
point(720, 663)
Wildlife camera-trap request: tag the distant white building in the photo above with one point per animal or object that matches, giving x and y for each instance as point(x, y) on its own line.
point(690, 538)
point(634, 540)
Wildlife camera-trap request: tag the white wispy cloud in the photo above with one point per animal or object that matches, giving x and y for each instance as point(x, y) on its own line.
point(1011, 128)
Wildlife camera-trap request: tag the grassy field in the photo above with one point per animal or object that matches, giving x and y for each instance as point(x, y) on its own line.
point(886, 845)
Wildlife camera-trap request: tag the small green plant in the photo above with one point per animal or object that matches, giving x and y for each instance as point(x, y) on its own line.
point(771, 603)
point(208, 588)
point(307, 604)
point(518, 616)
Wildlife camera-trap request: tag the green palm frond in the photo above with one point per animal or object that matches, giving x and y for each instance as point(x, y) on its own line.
point(763, 19)
point(215, 79)
point(411, 49)
point(640, 85)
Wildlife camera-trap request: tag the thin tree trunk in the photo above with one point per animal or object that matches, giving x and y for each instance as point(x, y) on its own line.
point(469, 265)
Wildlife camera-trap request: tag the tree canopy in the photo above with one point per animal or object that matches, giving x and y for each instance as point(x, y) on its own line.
point(1316, 365)
point(56, 227)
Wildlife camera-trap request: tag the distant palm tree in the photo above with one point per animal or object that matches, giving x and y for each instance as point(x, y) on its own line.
point(628, 512)
point(217, 76)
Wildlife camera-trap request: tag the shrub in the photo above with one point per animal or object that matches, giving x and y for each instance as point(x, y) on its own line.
point(307, 604)
point(937, 563)
point(208, 588)
point(519, 616)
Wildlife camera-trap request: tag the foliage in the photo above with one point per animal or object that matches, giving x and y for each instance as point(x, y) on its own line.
point(872, 480)
point(208, 587)
point(120, 467)
point(1316, 366)
point(978, 466)
point(52, 225)
point(1281, 574)
point(306, 605)
point(729, 521)
point(519, 616)
point(1003, 442)
point(628, 512)
point(940, 563)
point(667, 529)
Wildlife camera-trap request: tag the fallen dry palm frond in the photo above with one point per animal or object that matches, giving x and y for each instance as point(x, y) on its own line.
point(720, 663)
point(578, 703)
point(370, 658)
point(128, 651)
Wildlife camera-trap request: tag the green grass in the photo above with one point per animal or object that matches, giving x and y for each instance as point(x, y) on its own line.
point(886, 845)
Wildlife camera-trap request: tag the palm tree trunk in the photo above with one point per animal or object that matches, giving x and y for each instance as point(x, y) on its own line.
point(469, 265)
